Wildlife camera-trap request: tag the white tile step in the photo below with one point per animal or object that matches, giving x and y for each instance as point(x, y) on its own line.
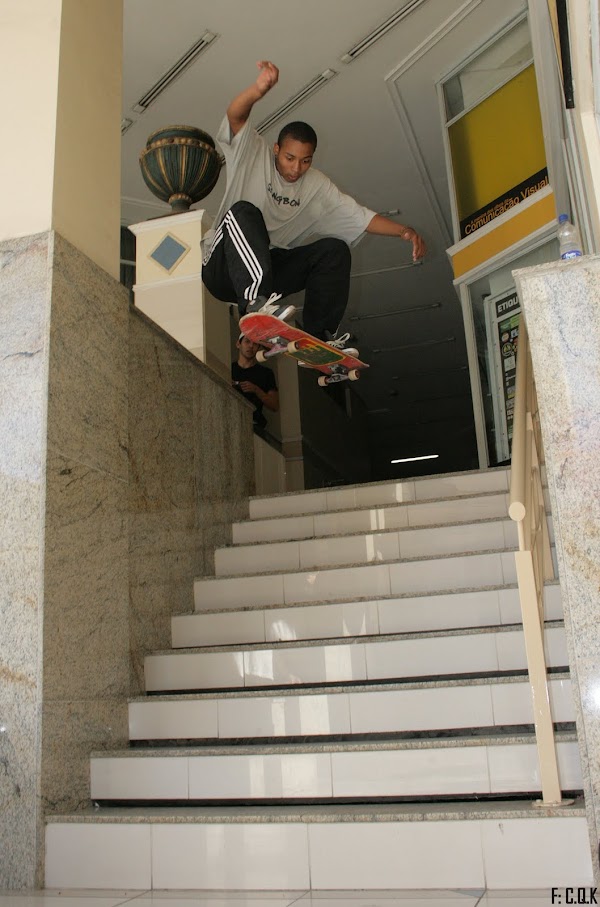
point(406, 614)
point(340, 661)
point(270, 848)
point(367, 548)
point(381, 494)
point(447, 573)
point(380, 708)
point(423, 768)
point(368, 519)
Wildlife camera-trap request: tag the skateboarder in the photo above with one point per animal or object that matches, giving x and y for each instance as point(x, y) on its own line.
point(274, 203)
point(254, 381)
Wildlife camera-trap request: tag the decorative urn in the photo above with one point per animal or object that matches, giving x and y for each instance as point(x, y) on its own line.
point(180, 165)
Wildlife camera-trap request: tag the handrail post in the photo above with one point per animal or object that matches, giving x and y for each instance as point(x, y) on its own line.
point(538, 681)
point(533, 561)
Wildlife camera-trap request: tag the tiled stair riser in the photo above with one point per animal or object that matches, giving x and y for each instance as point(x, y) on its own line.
point(442, 574)
point(381, 495)
point(443, 771)
point(358, 661)
point(364, 549)
point(463, 853)
point(425, 707)
point(403, 615)
point(372, 519)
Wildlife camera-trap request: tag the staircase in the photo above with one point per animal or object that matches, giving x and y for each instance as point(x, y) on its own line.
point(347, 707)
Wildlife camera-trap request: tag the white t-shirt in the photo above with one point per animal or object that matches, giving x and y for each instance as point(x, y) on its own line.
point(294, 212)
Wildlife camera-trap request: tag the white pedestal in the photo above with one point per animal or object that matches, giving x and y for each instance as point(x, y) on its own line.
point(169, 287)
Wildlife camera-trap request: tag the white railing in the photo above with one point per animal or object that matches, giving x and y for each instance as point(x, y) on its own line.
point(533, 559)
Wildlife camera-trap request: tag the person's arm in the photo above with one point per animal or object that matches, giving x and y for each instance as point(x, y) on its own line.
point(239, 109)
point(383, 226)
point(269, 398)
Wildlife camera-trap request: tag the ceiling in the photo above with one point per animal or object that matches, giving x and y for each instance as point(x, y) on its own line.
point(380, 139)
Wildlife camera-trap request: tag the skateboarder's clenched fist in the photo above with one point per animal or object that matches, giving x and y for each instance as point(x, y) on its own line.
point(268, 76)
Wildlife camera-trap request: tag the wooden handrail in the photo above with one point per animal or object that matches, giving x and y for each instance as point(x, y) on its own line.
point(533, 560)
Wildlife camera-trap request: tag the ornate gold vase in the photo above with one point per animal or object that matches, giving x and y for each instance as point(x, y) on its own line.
point(180, 165)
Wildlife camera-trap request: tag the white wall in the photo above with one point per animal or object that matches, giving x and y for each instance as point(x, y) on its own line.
point(60, 66)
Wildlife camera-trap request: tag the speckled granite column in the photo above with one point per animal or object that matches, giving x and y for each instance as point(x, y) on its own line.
point(24, 308)
point(562, 308)
point(64, 654)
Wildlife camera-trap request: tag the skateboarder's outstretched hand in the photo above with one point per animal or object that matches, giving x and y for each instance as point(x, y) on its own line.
point(418, 244)
point(268, 76)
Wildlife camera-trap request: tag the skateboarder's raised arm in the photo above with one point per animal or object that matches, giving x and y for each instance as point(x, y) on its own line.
point(383, 226)
point(239, 109)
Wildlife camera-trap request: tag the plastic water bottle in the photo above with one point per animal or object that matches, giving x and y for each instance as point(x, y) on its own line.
point(569, 239)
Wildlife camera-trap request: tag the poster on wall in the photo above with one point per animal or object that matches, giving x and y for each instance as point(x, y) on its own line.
point(508, 314)
point(502, 317)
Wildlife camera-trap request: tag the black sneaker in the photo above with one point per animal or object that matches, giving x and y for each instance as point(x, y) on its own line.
point(264, 306)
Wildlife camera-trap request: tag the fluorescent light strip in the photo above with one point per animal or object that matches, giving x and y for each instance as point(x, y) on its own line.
point(379, 32)
point(414, 346)
point(409, 264)
point(296, 99)
point(175, 71)
point(414, 459)
point(408, 311)
point(430, 371)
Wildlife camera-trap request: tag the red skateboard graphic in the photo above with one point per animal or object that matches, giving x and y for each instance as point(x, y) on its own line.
point(281, 337)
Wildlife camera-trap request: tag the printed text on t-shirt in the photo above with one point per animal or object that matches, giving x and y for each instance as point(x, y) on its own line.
point(283, 199)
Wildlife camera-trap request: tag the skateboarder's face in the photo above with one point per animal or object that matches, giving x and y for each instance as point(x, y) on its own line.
point(293, 158)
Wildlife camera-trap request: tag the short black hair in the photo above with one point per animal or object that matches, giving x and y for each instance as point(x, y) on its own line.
point(300, 132)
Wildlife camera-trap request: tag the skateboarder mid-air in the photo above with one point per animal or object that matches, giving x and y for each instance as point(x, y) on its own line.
point(274, 203)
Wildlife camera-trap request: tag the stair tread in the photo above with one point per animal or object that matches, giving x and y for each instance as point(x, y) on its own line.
point(366, 565)
point(380, 812)
point(349, 601)
point(345, 746)
point(355, 508)
point(360, 687)
point(349, 640)
point(380, 484)
point(356, 533)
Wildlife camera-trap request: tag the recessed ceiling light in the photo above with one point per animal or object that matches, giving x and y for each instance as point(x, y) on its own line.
point(299, 98)
point(175, 71)
point(413, 459)
point(381, 30)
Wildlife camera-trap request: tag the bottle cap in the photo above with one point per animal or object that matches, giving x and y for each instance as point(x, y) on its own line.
point(562, 218)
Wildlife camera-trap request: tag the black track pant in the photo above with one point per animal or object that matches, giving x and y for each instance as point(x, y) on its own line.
point(242, 266)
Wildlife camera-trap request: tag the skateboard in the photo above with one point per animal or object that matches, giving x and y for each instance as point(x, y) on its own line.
point(280, 337)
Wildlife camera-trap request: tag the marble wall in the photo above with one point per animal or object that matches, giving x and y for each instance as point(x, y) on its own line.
point(24, 355)
point(123, 461)
point(86, 570)
point(191, 472)
point(562, 308)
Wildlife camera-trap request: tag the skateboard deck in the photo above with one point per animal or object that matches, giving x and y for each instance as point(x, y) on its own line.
point(280, 337)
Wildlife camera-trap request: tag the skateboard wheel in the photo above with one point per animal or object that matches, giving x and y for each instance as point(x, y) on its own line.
point(260, 356)
point(292, 346)
point(323, 381)
point(353, 374)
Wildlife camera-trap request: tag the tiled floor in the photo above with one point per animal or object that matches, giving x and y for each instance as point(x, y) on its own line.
point(398, 898)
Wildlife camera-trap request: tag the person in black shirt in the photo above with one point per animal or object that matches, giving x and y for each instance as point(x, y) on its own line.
point(255, 382)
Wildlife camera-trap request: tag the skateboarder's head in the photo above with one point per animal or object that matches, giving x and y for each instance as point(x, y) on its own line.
point(294, 150)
